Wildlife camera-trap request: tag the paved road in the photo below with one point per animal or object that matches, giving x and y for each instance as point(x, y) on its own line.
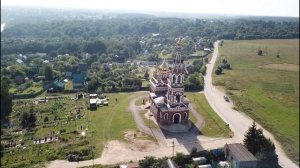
point(238, 121)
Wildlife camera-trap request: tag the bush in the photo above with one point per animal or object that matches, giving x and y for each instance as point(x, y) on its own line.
point(62, 130)
point(51, 156)
point(46, 119)
point(225, 66)
point(127, 89)
point(218, 71)
point(72, 158)
point(180, 159)
point(83, 154)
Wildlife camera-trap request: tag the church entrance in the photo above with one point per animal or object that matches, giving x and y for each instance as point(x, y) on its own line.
point(176, 118)
point(177, 98)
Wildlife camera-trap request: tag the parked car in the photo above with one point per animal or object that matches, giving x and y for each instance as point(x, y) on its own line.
point(226, 98)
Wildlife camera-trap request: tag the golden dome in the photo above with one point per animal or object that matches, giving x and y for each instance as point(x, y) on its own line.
point(164, 66)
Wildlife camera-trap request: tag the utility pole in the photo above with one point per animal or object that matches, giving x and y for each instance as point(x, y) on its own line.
point(173, 148)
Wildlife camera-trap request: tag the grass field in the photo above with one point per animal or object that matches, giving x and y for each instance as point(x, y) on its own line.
point(162, 56)
point(36, 87)
point(148, 122)
point(265, 87)
point(200, 53)
point(214, 125)
point(105, 124)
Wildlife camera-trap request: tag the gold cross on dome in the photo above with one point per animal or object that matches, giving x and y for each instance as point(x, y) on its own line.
point(180, 42)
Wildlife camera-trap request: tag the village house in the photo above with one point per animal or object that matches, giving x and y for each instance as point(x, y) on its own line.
point(239, 157)
point(78, 81)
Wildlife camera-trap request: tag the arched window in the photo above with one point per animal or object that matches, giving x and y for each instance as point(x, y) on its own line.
point(166, 116)
point(176, 118)
point(177, 98)
point(174, 79)
point(185, 115)
point(179, 79)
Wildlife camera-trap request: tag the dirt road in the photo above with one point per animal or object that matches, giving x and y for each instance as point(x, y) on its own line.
point(238, 121)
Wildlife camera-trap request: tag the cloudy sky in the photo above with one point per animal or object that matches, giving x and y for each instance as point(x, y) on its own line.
point(243, 7)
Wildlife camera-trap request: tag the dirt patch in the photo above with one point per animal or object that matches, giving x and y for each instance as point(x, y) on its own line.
point(283, 67)
point(137, 144)
point(132, 135)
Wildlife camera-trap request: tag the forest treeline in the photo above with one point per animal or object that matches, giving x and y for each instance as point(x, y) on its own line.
point(76, 36)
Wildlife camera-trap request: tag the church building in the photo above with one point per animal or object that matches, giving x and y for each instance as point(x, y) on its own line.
point(167, 101)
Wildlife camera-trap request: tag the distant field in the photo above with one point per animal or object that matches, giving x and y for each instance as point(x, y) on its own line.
point(165, 56)
point(265, 87)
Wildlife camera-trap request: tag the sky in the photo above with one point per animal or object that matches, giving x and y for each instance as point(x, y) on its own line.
point(237, 7)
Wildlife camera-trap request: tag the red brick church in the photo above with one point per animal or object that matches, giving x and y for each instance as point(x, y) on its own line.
point(168, 103)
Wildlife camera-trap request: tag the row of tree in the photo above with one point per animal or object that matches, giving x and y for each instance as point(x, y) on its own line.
point(173, 27)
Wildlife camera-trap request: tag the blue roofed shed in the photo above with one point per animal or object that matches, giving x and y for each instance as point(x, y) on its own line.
point(78, 81)
point(58, 85)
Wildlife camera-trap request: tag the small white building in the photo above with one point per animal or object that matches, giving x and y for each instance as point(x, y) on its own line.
point(204, 166)
point(199, 160)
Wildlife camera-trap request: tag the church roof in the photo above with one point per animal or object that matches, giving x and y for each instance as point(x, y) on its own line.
point(159, 100)
point(164, 108)
point(164, 66)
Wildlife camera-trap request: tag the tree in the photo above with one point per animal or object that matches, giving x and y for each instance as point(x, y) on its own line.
point(146, 75)
point(28, 119)
point(147, 162)
point(195, 81)
point(259, 52)
point(6, 100)
point(46, 119)
point(31, 120)
point(254, 139)
point(267, 156)
point(48, 71)
point(24, 120)
point(218, 70)
point(224, 61)
point(180, 159)
point(2, 150)
point(203, 70)
point(261, 147)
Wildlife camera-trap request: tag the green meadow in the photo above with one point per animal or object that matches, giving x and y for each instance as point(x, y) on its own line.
point(214, 125)
point(265, 86)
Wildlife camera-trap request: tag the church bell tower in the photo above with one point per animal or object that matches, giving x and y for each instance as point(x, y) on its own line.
point(176, 79)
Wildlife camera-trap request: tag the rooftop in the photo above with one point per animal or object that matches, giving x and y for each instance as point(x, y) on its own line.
point(59, 83)
point(78, 78)
point(159, 100)
point(169, 164)
point(239, 152)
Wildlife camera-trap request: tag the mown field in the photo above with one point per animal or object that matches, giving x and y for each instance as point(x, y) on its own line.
point(214, 125)
point(265, 87)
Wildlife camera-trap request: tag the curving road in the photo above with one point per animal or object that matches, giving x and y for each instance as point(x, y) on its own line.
point(238, 121)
